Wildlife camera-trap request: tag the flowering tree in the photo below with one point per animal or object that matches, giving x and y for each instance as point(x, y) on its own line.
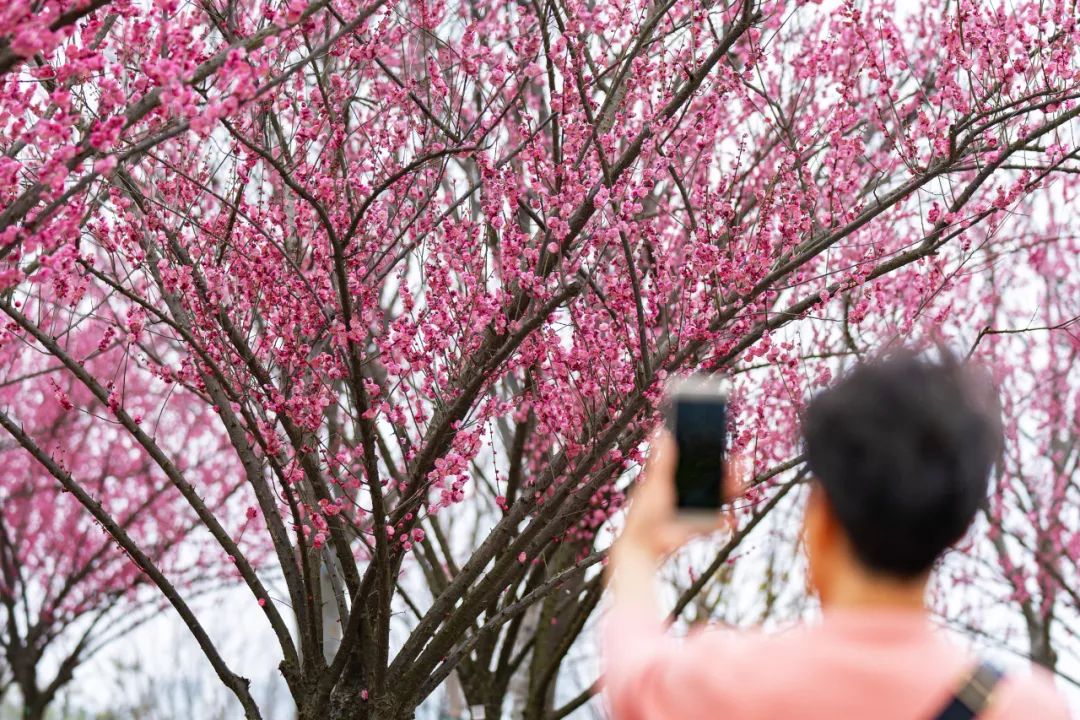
point(1029, 337)
point(1033, 521)
point(427, 258)
point(65, 589)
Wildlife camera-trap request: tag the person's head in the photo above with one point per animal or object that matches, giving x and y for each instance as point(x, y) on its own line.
point(900, 451)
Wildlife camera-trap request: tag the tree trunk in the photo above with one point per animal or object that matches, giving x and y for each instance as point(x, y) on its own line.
point(34, 711)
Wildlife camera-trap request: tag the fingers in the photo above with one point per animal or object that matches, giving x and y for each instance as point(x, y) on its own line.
point(653, 521)
point(663, 453)
point(652, 501)
point(737, 476)
point(670, 536)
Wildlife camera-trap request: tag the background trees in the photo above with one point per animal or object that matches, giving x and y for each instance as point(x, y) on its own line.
point(430, 263)
point(1028, 561)
point(66, 590)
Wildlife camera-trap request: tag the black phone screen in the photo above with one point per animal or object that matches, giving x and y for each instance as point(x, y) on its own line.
point(700, 429)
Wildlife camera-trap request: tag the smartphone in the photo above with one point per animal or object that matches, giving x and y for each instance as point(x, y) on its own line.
point(696, 415)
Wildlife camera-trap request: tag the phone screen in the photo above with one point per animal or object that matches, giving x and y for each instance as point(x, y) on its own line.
point(700, 429)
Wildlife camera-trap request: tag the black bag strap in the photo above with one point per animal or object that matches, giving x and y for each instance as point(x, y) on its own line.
point(974, 695)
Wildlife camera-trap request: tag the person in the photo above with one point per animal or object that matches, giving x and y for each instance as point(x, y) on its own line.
point(899, 455)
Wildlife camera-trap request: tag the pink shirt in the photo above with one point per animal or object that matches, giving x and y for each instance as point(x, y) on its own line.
point(885, 665)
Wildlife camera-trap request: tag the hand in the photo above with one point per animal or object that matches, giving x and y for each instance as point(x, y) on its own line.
point(653, 525)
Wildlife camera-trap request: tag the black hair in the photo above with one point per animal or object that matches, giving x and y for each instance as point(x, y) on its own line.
point(903, 447)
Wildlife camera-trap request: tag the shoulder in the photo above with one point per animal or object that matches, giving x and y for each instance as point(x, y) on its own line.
point(1028, 695)
point(747, 639)
point(743, 652)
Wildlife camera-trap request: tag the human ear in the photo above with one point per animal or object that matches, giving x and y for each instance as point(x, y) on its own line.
point(818, 536)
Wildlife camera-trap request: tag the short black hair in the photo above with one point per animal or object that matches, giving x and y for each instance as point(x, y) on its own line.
point(903, 447)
